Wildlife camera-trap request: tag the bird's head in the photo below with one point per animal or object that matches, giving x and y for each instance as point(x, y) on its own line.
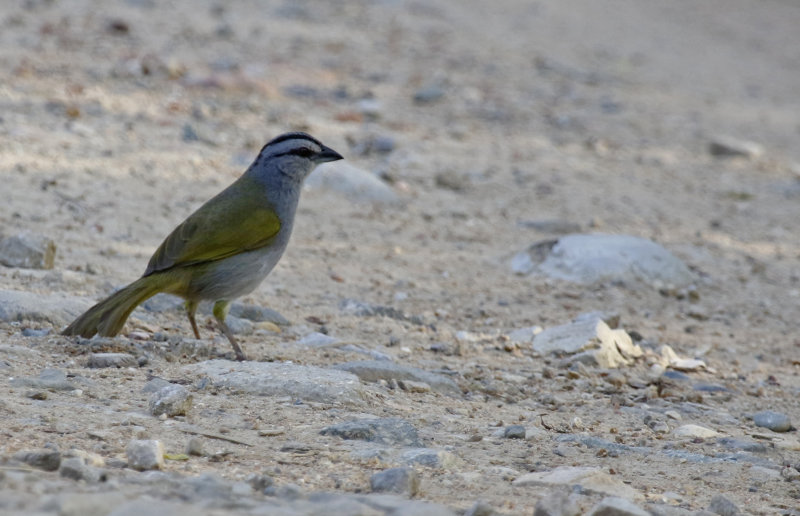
point(295, 155)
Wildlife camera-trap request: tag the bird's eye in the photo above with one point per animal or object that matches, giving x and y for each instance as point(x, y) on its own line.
point(304, 152)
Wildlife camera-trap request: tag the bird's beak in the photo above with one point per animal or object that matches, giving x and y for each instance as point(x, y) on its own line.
point(328, 154)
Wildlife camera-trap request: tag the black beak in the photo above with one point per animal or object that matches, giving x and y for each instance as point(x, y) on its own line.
point(327, 154)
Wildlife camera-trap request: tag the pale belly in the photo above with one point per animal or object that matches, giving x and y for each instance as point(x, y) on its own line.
point(232, 277)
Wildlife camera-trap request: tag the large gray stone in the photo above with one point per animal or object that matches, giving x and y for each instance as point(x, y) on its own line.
point(57, 309)
point(597, 258)
point(374, 370)
point(306, 383)
point(27, 250)
point(354, 183)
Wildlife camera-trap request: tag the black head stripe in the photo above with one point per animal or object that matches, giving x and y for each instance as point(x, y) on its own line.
point(292, 136)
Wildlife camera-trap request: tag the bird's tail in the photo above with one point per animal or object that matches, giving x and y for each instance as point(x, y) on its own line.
point(109, 315)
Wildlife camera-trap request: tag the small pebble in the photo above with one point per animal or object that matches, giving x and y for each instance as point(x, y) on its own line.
point(723, 506)
point(402, 480)
point(118, 360)
point(145, 454)
point(171, 400)
point(30, 332)
point(428, 94)
point(46, 459)
point(77, 469)
point(724, 146)
point(514, 432)
point(412, 386)
point(695, 431)
point(195, 447)
point(775, 421)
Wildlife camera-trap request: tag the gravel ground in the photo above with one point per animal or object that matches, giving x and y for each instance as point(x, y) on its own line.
point(399, 372)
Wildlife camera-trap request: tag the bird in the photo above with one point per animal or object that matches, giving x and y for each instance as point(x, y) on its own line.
point(226, 248)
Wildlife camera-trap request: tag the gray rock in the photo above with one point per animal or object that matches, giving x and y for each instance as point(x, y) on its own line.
point(172, 400)
point(208, 486)
point(371, 108)
point(259, 481)
point(46, 459)
point(775, 421)
point(32, 332)
point(50, 379)
point(118, 360)
point(514, 432)
point(592, 480)
point(55, 309)
point(373, 144)
point(591, 341)
point(723, 506)
point(403, 481)
point(428, 457)
point(362, 309)
point(375, 370)
point(195, 447)
point(480, 508)
point(589, 259)
point(558, 502)
point(155, 384)
point(428, 94)
point(306, 383)
point(27, 250)
point(352, 182)
point(391, 431)
point(694, 431)
point(522, 264)
point(76, 468)
point(743, 445)
point(615, 506)
point(257, 313)
point(145, 454)
point(240, 326)
point(726, 146)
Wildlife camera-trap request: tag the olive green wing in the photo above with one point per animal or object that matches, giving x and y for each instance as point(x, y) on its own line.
point(226, 225)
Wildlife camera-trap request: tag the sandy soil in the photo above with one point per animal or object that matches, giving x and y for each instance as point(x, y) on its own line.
point(595, 113)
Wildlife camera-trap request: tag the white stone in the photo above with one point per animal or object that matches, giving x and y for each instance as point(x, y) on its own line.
point(695, 431)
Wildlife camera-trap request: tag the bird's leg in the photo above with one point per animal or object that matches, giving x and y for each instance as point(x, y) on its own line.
point(191, 309)
point(220, 312)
